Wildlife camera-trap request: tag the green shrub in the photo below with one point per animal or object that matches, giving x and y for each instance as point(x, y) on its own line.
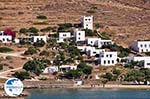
point(41, 23)
point(44, 53)
point(41, 17)
point(104, 36)
point(1, 67)
point(64, 27)
point(22, 75)
point(8, 57)
point(35, 66)
point(33, 30)
point(30, 51)
point(23, 30)
point(5, 49)
point(39, 43)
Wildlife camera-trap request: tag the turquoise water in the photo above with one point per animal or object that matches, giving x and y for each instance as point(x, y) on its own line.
point(88, 94)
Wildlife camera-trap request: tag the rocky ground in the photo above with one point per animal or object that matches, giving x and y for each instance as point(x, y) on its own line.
point(124, 20)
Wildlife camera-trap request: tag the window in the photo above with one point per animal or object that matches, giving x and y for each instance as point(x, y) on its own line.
point(106, 55)
point(89, 19)
point(110, 55)
point(112, 61)
point(141, 45)
point(91, 42)
point(145, 45)
point(79, 33)
point(64, 34)
point(148, 63)
point(3, 39)
point(108, 61)
point(141, 50)
point(79, 38)
point(104, 62)
point(146, 50)
point(85, 19)
point(86, 24)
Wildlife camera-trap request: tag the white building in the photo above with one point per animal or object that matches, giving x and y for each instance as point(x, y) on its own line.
point(90, 51)
point(108, 58)
point(32, 39)
point(141, 46)
point(145, 60)
point(87, 22)
point(64, 35)
point(66, 68)
point(98, 42)
point(63, 68)
point(79, 35)
point(5, 38)
point(39, 38)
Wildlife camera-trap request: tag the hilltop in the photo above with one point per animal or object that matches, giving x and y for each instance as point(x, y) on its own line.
point(123, 20)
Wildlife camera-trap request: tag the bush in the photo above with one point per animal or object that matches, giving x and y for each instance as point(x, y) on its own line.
point(8, 57)
point(63, 27)
point(1, 67)
point(104, 36)
point(33, 30)
point(85, 68)
point(41, 17)
point(44, 53)
point(5, 49)
point(73, 74)
point(35, 66)
point(30, 51)
point(23, 30)
point(89, 32)
point(39, 43)
point(22, 75)
point(41, 23)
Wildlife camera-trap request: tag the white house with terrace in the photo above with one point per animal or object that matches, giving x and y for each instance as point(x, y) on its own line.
point(63, 36)
point(144, 59)
point(108, 58)
point(141, 46)
point(90, 51)
point(87, 22)
point(5, 38)
point(98, 42)
point(62, 68)
point(33, 39)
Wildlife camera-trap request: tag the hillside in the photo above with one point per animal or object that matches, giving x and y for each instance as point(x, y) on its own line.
point(124, 20)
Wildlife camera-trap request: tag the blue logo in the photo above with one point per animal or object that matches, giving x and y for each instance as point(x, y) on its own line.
point(13, 87)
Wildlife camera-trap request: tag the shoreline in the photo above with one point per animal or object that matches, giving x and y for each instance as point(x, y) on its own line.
point(107, 86)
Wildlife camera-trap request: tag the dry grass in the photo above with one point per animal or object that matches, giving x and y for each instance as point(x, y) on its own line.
point(124, 20)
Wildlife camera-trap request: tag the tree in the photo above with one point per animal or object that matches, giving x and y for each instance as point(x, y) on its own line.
point(108, 76)
point(1, 67)
point(117, 72)
point(73, 74)
point(64, 27)
point(41, 17)
point(22, 75)
point(23, 30)
point(82, 67)
point(33, 30)
point(5, 49)
point(89, 32)
point(30, 51)
point(39, 43)
point(44, 53)
point(35, 66)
